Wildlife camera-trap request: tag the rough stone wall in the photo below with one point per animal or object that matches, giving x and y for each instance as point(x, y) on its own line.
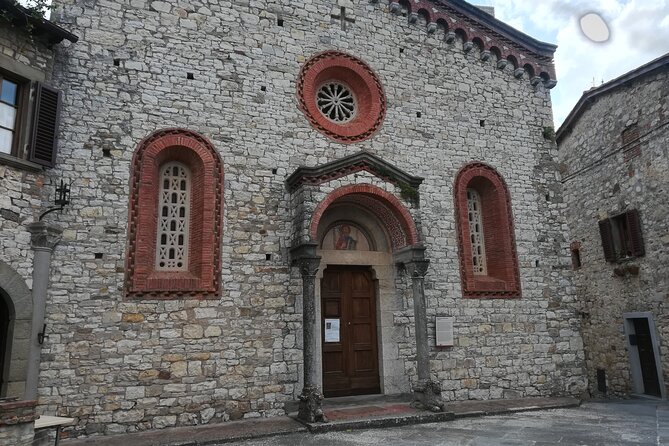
point(22, 191)
point(601, 181)
point(126, 366)
point(17, 423)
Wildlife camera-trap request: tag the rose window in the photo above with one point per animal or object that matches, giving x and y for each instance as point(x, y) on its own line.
point(336, 101)
point(341, 97)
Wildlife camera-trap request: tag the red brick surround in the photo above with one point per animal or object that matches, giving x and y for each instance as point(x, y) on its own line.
point(202, 279)
point(404, 233)
point(370, 98)
point(503, 278)
point(17, 412)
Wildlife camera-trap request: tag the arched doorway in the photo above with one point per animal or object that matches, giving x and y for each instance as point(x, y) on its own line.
point(357, 233)
point(16, 309)
point(7, 316)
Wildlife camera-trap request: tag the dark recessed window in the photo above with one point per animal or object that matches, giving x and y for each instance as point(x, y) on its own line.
point(575, 249)
point(279, 22)
point(190, 76)
point(621, 236)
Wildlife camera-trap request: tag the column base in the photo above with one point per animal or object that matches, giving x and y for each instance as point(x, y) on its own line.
point(427, 396)
point(310, 410)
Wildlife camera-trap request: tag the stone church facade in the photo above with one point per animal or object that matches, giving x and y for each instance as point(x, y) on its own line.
point(613, 149)
point(270, 202)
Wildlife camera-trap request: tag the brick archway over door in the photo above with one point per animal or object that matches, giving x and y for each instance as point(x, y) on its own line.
point(391, 212)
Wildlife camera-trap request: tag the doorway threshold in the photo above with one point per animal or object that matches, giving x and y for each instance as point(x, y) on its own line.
point(360, 400)
point(643, 396)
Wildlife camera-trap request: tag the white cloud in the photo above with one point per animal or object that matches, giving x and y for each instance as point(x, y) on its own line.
point(639, 34)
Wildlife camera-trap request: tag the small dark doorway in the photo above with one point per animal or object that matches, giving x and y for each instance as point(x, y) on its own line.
point(348, 318)
point(644, 344)
point(6, 317)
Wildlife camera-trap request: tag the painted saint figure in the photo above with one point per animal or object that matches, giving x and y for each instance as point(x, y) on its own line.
point(345, 241)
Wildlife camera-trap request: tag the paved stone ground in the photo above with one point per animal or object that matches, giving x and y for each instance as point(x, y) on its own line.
point(635, 422)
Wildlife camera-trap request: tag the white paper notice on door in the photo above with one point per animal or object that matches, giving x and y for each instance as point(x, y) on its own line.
point(332, 330)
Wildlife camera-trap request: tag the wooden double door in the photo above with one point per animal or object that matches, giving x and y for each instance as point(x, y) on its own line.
point(348, 322)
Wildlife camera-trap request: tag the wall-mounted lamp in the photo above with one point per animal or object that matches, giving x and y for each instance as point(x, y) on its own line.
point(42, 336)
point(61, 199)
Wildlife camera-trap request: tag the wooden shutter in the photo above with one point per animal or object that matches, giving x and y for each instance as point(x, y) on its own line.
point(43, 143)
point(638, 248)
point(606, 232)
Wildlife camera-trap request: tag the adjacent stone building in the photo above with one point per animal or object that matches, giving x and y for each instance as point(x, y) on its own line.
point(613, 150)
point(275, 199)
point(28, 117)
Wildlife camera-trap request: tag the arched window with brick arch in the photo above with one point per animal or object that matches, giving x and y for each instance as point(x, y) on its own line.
point(175, 218)
point(486, 240)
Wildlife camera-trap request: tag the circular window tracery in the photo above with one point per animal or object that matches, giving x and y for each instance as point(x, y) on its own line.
point(336, 102)
point(341, 97)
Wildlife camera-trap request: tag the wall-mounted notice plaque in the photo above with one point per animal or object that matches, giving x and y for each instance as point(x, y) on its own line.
point(332, 330)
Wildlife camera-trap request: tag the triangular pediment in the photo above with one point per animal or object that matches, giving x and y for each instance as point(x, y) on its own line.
point(361, 161)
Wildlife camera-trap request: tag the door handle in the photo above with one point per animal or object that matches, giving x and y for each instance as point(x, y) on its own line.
point(348, 324)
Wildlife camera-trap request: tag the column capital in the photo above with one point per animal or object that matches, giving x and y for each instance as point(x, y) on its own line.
point(44, 236)
point(308, 266)
point(304, 257)
point(417, 268)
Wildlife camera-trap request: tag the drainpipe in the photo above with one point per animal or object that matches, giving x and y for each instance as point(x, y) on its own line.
point(44, 238)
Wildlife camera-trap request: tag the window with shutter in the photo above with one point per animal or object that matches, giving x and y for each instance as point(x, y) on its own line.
point(637, 247)
point(45, 126)
point(606, 233)
point(29, 114)
point(621, 236)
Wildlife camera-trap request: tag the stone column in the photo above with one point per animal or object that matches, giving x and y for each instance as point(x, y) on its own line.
point(304, 256)
point(44, 239)
point(427, 393)
point(417, 270)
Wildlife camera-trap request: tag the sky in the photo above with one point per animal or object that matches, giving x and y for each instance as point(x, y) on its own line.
point(638, 33)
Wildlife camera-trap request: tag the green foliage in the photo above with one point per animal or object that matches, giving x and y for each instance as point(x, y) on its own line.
point(549, 133)
point(37, 8)
point(407, 191)
point(26, 14)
